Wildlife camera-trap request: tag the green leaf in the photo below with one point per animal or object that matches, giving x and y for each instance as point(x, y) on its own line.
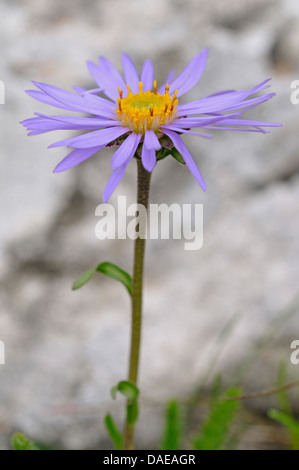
point(177, 156)
point(114, 272)
point(215, 431)
point(109, 270)
point(131, 392)
point(113, 432)
point(21, 442)
point(173, 427)
point(128, 389)
point(84, 279)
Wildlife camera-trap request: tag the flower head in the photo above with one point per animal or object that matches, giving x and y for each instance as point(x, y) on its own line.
point(139, 118)
point(147, 110)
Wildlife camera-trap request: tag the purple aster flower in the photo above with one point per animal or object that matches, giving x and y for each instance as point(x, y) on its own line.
point(141, 119)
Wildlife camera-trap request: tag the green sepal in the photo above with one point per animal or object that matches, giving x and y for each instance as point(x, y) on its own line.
point(177, 156)
point(164, 152)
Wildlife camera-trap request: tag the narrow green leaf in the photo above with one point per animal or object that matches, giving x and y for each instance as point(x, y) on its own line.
point(114, 272)
point(173, 427)
point(113, 432)
point(84, 279)
point(21, 442)
point(215, 431)
point(109, 270)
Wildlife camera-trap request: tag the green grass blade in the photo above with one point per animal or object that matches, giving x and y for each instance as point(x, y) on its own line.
point(173, 427)
point(215, 431)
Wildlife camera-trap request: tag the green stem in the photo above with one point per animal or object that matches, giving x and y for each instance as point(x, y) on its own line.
point(142, 198)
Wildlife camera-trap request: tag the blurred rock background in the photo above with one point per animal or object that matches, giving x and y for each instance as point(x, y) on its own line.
point(64, 349)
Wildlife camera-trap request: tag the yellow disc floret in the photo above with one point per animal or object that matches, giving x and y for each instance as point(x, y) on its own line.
point(146, 110)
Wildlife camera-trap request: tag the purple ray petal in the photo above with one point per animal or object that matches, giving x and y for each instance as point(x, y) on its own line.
point(78, 120)
point(198, 122)
point(130, 73)
point(40, 96)
point(181, 147)
point(48, 123)
point(88, 104)
point(101, 79)
point(197, 71)
point(75, 157)
point(223, 92)
point(248, 122)
point(93, 139)
point(151, 141)
point(209, 105)
point(219, 102)
point(169, 78)
point(79, 89)
point(147, 75)
point(240, 129)
point(250, 103)
point(112, 74)
point(96, 73)
point(126, 151)
point(189, 71)
point(182, 77)
point(35, 133)
point(148, 158)
point(261, 86)
point(185, 131)
point(114, 181)
point(84, 92)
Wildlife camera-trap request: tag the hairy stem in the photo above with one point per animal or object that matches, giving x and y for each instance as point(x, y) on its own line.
point(143, 187)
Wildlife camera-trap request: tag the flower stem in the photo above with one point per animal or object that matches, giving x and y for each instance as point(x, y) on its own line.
point(143, 188)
